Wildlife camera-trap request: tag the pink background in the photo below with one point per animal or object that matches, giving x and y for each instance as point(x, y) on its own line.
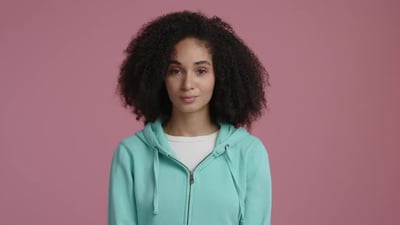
point(332, 131)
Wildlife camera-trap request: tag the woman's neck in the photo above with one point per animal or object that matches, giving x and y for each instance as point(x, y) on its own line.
point(186, 125)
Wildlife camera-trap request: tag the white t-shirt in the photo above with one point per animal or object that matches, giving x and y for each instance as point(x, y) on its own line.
point(192, 150)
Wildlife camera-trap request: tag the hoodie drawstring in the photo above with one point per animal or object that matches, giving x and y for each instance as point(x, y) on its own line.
point(237, 186)
point(155, 174)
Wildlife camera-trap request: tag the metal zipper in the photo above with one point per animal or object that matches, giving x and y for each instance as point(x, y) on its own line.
point(191, 178)
point(191, 181)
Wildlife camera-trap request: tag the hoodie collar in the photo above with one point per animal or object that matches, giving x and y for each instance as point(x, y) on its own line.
point(155, 137)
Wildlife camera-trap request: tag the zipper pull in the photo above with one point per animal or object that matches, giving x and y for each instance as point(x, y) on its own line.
point(191, 177)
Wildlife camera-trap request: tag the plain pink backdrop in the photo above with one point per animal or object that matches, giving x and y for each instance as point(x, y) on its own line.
point(332, 131)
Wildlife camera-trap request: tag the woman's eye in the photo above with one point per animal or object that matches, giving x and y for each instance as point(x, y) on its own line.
point(201, 71)
point(174, 71)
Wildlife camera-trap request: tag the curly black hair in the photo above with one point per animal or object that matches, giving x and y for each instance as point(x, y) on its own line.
point(240, 78)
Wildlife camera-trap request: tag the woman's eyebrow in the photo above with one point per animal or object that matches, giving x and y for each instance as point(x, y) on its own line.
point(202, 62)
point(196, 63)
point(174, 62)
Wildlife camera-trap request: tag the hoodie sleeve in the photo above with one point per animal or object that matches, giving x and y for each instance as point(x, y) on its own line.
point(121, 197)
point(258, 191)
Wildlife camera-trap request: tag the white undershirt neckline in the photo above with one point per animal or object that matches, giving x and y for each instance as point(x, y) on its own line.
point(192, 150)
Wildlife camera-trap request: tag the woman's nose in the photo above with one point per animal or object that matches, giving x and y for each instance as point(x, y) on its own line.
point(188, 81)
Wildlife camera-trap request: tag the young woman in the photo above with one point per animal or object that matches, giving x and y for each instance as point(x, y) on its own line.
point(195, 85)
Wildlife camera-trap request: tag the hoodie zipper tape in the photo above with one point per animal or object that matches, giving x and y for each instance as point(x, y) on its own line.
point(191, 180)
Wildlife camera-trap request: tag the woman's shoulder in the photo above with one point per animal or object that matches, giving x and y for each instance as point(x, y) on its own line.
point(242, 136)
point(242, 141)
point(134, 140)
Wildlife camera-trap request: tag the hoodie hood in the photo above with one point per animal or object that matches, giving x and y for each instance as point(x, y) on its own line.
point(153, 135)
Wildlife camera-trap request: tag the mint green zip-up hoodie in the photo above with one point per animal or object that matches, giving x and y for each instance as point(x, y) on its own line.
point(150, 186)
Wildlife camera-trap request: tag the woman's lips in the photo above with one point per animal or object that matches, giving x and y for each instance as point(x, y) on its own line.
point(188, 99)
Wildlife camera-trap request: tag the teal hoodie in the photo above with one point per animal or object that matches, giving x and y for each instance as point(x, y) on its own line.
point(148, 185)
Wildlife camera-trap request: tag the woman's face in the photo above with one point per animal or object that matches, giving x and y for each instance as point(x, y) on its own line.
point(190, 78)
